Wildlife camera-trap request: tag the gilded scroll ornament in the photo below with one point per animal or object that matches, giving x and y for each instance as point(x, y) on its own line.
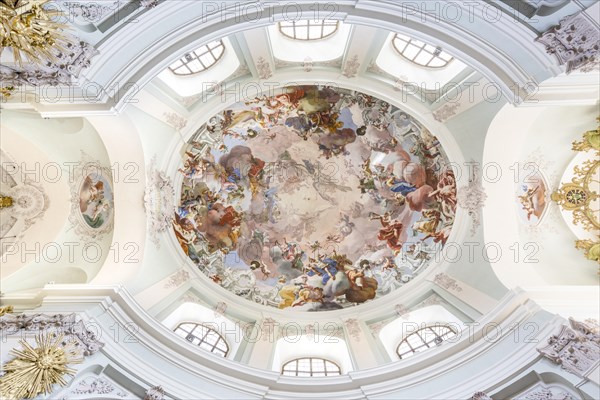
point(581, 197)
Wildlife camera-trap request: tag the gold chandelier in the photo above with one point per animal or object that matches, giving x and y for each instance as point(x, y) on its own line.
point(581, 197)
point(32, 30)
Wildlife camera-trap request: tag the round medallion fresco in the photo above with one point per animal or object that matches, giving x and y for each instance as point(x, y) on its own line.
point(314, 199)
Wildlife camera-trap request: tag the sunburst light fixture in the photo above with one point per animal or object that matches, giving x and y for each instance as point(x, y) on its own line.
point(33, 30)
point(35, 370)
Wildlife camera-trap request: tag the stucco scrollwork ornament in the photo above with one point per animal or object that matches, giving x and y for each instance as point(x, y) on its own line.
point(588, 328)
point(159, 202)
point(267, 328)
point(574, 41)
point(402, 311)
point(87, 339)
point(480, 396)
point(591, 66)
point(177, 279)
point(220, 309)
point(63, 70)
point(351, 67)
point(175, 120)
point(35, 322)
point(191, 298)
point(472, 197)
point(28, 201)
point(97, 386)
point(68, 325)
point(263, 68)
point(377, 327)
point(308, 64)
point(547, 394)
point(149, 3)
point(576, 348)
point(23, 203)
point(155, 393)
point(353, 328)
point(446, 111)
point(91, 12)
point(432, 300)
point(446, 282)
point(310, 331)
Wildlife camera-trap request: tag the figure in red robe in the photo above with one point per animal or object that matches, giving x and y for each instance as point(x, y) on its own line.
point(390, 231)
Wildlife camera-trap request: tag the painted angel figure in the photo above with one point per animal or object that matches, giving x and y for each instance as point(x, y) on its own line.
point(527, 201)
point(390, 231)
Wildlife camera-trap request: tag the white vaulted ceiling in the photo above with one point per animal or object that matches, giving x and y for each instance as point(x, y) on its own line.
point(503, 100)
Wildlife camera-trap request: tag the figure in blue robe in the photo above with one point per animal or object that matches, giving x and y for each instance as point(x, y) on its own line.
point(325, 268)
point(400, 186)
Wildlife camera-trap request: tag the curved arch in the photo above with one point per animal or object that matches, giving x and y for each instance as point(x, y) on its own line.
point(47, 174)
point(499, 53)
point(120, 137)
point(537, 262)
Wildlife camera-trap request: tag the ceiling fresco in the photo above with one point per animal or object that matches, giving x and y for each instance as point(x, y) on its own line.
point(316, 198)
point(532, 195)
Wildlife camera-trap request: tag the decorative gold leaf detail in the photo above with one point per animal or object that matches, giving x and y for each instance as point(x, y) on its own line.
point(35, 370)
point(32, 30)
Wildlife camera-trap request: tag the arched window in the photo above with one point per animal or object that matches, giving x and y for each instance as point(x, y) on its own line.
point(424, 339)
point(308, 29)
point(421, 53)
point(199, 60)
point(204, 337)
point(310, 366)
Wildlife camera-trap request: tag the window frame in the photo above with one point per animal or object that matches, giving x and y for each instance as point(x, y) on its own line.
point(424, 343)
point(297, 371)
point(219, 351)
point(434, 56)
point(321, 23)
point(195, 55)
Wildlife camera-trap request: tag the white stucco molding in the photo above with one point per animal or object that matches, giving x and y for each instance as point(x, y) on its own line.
point(491, 347)
point(496, 45)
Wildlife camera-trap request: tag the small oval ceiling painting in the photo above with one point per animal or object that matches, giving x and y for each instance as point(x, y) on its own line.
point(532, 194)
point(316, 198)
point(96, 200)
